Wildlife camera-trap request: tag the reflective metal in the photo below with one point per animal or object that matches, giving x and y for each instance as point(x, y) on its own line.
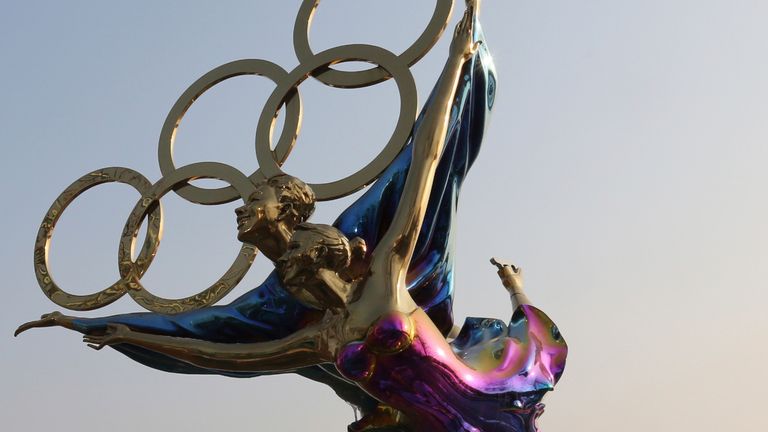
point(284, 91)
point(224, 72)
point(130, 271)
point(365, 305)
point(364, 78)
point(45, 234)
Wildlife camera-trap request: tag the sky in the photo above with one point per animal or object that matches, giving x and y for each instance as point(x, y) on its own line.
point(624, 170)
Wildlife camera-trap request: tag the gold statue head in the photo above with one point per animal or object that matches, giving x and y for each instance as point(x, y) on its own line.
point(314, 267)
point(280, 202)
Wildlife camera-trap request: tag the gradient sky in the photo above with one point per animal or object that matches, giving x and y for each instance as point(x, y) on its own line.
point(624, 170)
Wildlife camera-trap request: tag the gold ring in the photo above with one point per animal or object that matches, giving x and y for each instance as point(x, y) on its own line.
point(130, 271)
point(45, 233)
point(355, 79)
point(233, 69)
point(286, 88)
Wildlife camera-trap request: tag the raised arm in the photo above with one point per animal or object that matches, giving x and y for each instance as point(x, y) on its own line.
point(512, 279)
point(393, 254)
point(301, 349)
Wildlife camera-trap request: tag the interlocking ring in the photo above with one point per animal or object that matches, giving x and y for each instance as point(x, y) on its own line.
point(355, 79)
point(132, 271)
point(368, 53)
point(233, 69)
point(45, 233)
point(241, 186)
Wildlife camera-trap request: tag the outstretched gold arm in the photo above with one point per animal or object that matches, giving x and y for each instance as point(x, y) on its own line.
point(389, 263)
point(303, 348)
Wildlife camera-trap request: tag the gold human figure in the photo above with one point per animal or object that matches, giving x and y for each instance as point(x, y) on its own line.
point(317, 255)
point(316, 269)
point(372, 329)
point(371, 325)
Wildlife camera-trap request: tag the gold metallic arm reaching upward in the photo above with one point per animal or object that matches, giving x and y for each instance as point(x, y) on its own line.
point(390, 260)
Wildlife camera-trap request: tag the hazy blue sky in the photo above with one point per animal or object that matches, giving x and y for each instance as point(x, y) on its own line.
point(624, 170)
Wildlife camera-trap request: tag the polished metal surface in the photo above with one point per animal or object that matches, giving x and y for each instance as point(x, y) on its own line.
point(45, 234)
point(286, 98)
point(224, 72)
point(131, 272)
point(364, 78)
point(283, 93)
point(364, 305)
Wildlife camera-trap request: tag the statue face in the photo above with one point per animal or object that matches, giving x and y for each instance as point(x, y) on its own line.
point(299, 264)
point(259, 216)
point(311, 265)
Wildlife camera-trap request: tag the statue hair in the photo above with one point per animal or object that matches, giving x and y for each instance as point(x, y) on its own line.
point(338, 251)
point(298, 197)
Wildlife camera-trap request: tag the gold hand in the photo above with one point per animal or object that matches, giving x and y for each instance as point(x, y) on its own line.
point(463, 44)
point(53, 319)
point(115, 334)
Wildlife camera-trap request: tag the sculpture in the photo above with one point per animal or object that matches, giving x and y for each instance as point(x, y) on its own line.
point(364, 306)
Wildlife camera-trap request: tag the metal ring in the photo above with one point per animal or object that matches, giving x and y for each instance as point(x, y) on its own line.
point(368, 53)
point(229, 70)
point(355, 79)
point(131, 271)
point(45, 233)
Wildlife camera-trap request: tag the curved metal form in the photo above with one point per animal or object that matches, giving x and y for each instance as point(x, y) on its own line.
point(354, 182)
point(45, 234)
point(224, 72)
point(130, 271)
point(364, 78)
point(363, 305)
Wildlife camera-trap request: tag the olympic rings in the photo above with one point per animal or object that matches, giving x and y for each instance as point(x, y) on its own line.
point(355, 79)
point(229, 70)
point(45, 233)
point(388, 65)
point(132, 271)
point(369, 53)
